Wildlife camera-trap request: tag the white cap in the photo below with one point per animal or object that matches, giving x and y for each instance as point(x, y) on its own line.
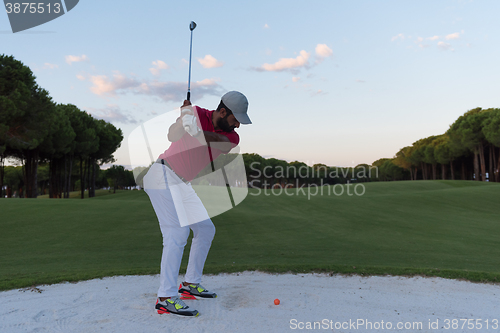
point(238, 104)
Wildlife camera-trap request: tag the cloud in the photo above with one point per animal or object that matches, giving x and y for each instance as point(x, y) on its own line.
point(50, 66)
point(120, 84)
point(295, 79)
point(210, 62)
point(438, 41)
point(318, 93)
point(158, 66)
point(176, 91)
point(323, 51)
point(106, 86)
point(398, 36)
point(293, 64)
point(266, 26)
point(360, 81)
point(80, 77)
point(445, 46)
point(112, 114)
point(455, 35)
point(71, 58)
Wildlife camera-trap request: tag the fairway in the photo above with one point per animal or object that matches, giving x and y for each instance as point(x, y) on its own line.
point(440, 228)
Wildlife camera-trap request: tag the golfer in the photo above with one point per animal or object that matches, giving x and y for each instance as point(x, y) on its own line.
point(198, 137)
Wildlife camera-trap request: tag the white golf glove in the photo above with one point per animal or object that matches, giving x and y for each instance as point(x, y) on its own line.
point(190, 125)
point(187, 109)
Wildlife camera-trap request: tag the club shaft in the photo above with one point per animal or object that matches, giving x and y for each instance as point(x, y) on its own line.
point(189, 77)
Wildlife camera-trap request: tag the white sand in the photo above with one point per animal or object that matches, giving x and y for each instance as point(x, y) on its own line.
point(245, 304)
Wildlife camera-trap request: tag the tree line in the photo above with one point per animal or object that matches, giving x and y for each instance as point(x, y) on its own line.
point(469, 150)
point(115, 177)
point(269, 172)
point(35, 131)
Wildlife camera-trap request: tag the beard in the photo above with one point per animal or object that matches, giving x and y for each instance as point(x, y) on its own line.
point(223, 124)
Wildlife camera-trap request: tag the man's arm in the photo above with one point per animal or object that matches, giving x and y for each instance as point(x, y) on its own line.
point(176, 131)
point(216, 140)
point(219, 141)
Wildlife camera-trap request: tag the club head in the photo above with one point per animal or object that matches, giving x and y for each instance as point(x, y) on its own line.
point(192, 25)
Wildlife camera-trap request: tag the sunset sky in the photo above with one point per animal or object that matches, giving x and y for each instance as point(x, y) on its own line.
point(333, 82)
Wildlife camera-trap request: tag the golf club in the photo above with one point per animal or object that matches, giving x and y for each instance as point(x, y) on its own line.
point(192, 26)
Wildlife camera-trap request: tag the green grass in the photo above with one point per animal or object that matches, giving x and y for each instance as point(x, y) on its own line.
point(436, 228)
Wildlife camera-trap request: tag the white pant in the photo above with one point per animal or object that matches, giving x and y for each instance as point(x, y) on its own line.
point(173, 200)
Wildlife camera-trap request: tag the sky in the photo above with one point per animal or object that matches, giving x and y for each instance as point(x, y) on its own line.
point(334, 82)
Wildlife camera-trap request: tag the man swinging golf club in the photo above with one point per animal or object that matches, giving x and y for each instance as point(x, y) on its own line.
point(198, 137)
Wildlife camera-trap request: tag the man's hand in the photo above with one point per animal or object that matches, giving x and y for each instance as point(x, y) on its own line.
point(186, 108)
point(176, 130)
point(189, 119)
point(190, 125)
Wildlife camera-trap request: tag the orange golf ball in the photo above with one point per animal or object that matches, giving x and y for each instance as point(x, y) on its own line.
point(276, 302)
